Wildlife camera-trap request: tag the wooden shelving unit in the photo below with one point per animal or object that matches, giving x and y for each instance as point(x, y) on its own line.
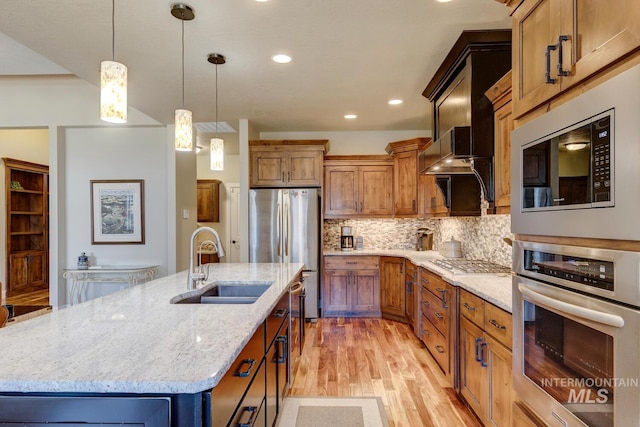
point(27, 246)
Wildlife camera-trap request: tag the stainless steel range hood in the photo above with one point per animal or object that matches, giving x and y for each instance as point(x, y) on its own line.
point(451, 154)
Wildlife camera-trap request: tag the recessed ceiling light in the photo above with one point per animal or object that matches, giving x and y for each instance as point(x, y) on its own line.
point(443, 1)
point(350, 116)
point(395, 101)
point(261, 1)
point(281, 58)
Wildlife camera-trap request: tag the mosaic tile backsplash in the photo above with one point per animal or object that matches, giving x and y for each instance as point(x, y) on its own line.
point(481, 237)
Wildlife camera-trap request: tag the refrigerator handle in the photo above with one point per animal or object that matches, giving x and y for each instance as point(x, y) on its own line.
point(286, 230)
point(278, 227)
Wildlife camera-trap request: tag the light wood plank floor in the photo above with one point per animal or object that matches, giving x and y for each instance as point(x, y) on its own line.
point(378, 357)
point(37, 297)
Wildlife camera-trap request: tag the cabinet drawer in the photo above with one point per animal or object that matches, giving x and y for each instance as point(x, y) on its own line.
point(435, 312)
point(436, 343)
point(355, 262)
point(472, 307)
point(433, 282)
point(251, 410)
point(226, 396)
point(497, 323)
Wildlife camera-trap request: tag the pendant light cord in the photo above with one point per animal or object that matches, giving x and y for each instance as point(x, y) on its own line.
point(113, 30)
point(182, 20)
point(216, 99)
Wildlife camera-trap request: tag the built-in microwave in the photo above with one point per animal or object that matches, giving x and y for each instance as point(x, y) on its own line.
point(576, 168)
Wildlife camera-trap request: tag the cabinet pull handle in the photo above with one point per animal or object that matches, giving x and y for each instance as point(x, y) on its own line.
point(288, 176)
point(282, 176)
point(468, 307)
point(361, 206)
point(407, 287)
point(413, 205)
point(561, 71)
point(253, 416)
point(244, 374)
point(547, 73)
point(426, 303)
point(439, 315)
point(282, 349)
point(425, 280)
point(440, 349)
point(281, 312)
point(497, 325)
point(478, 341)
point(351, 262)
point(483, 353)
point(425, 332)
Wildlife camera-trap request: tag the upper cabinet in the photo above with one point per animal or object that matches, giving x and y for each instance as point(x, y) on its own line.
point(500, 95)
point(285, 163)
point(208, 193)
point(559, 43)
point(358, 186)
point(408, 189)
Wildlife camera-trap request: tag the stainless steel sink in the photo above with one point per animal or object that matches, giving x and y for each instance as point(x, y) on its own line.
point(224, 293)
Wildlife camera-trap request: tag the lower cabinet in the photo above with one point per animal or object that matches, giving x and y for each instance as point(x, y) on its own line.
point(392, 288)
point(485, 359)
point(438, 321)
point(27, 271)
point(351, 286)
point(412, 296)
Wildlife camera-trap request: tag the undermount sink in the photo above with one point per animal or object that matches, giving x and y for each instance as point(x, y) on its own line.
point(224, 293)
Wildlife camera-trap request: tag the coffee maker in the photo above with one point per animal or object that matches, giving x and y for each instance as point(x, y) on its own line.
point(425, 239)
point(346, 239)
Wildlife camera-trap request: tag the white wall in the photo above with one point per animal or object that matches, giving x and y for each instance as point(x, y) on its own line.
point(347, 143)
point(30, 145)
point(82, 147)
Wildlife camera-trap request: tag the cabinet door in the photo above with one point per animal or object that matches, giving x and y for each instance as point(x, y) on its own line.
point(336, 299)
point(392, 300)
point(18, 272)
point(267, 169)
point(603, 34)
point(406, 183)
point(376, 190)
point(503, 123)
point(341, 190)
point(536, 25)
point(304, 169)
point(473, 375)
point(365, 293)
point(499, 377)
point(208, 194)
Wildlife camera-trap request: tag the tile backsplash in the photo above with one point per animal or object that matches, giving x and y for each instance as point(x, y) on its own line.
point(481, 237)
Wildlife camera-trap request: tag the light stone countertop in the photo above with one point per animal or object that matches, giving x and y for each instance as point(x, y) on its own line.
point(495, 288)
point(135, 341)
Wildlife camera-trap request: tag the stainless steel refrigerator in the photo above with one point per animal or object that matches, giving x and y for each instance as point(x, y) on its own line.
point(284, 226)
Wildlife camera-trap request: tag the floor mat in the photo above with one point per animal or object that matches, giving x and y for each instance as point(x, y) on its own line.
point(332, 412)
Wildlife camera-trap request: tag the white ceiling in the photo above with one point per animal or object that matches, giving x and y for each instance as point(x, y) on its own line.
point(349, 56)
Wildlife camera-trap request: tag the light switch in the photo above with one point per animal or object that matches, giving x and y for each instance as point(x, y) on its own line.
point(185, 214)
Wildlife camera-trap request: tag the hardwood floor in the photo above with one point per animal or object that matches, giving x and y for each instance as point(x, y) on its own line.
point(39, 297)
point(378, 357)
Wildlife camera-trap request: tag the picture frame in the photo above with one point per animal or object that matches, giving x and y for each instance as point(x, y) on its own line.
point(117, 212)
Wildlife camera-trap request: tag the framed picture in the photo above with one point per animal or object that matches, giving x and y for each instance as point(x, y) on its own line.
point(117, 212)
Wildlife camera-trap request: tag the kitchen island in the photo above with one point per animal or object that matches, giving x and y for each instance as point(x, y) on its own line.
point(135, 342)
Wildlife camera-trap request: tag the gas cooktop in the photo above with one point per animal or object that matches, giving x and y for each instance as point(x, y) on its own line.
point(470, 266)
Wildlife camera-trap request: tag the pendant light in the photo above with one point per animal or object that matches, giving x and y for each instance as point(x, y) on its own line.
point(113, 83)
point(217, 144)
point(183, 124)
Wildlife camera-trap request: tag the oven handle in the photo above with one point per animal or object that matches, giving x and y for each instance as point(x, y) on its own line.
point(582, 312)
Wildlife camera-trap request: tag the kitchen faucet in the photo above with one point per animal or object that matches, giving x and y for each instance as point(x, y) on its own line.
point(196, 273)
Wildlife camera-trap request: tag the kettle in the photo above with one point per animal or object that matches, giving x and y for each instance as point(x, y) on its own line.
point(425, 239)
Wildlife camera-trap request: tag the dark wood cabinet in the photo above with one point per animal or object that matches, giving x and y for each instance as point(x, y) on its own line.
point(27, 213)
point(208, 193)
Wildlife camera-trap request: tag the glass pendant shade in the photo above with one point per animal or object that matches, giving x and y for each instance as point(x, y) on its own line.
point(113, 92)
point(217, 154)
point(184, 130)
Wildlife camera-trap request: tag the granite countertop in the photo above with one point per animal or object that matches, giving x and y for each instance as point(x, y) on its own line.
point(495, 288)
point(135, 341)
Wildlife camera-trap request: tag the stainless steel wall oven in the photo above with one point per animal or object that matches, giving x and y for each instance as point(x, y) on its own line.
point(576, 334)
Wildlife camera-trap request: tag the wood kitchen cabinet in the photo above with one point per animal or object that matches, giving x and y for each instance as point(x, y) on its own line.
point(408, 188)
point(434, 204)
point(438, 320)
point(392, 288)
point(412, 296)
point(351, 286)
point(578, 37)
point(208, 195)
point(500, 96)
point(284, 163)
point(485, 359)
point(27, 221)
point(358, 186)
